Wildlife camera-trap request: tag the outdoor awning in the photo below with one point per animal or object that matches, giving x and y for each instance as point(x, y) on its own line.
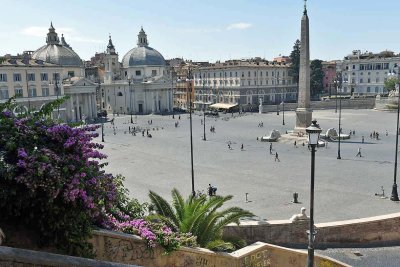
point(222, 105)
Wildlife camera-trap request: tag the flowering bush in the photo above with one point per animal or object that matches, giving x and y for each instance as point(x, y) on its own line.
point(51, 179)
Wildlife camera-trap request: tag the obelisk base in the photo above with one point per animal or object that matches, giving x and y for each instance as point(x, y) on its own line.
point(303, 120)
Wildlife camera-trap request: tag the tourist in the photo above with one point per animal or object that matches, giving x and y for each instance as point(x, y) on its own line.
point(359, 152)
point(270, 148)
point(362, 139)
point(295, 144)
point(277, 157)
point(241, 147)
point(210, 190)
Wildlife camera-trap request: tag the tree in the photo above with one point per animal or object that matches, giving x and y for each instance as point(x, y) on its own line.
point(295, 58)
point(317, 77)
point(199, 216)
point(390, 84)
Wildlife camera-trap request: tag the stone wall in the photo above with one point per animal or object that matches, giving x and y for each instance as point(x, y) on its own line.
point(17, 257)
point(357, 103)
point(372, 231)
point(124, 248)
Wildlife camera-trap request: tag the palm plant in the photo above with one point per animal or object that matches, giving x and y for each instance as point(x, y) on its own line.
point(199, 216)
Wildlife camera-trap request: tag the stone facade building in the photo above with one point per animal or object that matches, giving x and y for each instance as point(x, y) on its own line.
point(244, 83)
point(52, 71)
point(365, 73)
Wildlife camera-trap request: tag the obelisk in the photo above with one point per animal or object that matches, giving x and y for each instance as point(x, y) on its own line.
point(303, 111)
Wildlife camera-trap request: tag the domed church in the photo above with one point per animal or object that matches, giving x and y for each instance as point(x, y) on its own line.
point(67, 78)
point(142, 84)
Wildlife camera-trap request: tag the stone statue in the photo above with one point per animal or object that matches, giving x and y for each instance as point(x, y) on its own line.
point(300, 217)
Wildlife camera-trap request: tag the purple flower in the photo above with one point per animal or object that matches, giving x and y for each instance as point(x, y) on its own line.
point(22, 153)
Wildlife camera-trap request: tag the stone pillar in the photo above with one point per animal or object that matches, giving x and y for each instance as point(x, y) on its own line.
point(168, 98)
point(72, 110)
point(90, 106)
point(94, 105)
point(157, 99)
point(78, 113)
point(152, 101)
point(303, 111)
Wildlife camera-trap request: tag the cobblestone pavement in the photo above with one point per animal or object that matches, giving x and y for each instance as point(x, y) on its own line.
point(365, 257)
point(344, 189)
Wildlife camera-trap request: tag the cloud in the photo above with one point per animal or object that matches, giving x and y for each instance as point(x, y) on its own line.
point(69, 33)
point(239, 26)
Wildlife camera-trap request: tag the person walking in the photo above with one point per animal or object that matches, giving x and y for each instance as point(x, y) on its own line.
point(362, 139)
point(358, 152)
point(210, 190)
point(277, 157)
point(241, 147)
point(270, 148)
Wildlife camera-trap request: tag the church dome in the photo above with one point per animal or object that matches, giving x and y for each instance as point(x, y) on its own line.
point(143, 54)
point(56, 52)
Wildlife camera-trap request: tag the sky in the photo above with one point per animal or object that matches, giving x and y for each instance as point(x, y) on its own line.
point(203, 30)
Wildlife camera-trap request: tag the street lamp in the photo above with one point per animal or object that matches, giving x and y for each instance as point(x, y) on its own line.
point(189, 80)
point(130, 98)
point(204, 125)
point(336, 82)
point(313, 137)
point(395, 195)
point(277, 109)
point(283, 112)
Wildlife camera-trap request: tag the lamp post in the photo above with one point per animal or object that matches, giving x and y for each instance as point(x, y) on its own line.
point(395, 196)
point(130, 98)
point(204, 125)
point(189, 89)
point(191, 131)
point(283, 112)
point(277, 109)
point(336, 82)
point(313, 136)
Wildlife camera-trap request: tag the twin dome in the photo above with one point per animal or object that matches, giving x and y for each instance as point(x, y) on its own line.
point(143, 54)
point(61, 53)
point(56, 52)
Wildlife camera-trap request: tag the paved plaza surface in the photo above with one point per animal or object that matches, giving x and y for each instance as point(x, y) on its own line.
point(344, 189)
point(365, 257)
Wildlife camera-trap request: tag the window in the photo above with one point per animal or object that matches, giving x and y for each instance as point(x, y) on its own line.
point(368, 89)
point(377, 80)
point(19, 92)
point(3, 77)
point(272, 74)
point(153, 72)
point(376, 89)
point(266, 73)
point(44, 77)
point(230, 74)
point(369, 80)
point(45, 91)
point(361, 73)
point(261, 73)
point(17, 77)
point(4, 93)
point(353, 80)
point(255, 74)
point(361, 80)
point(249, 82)
point(138, 73)
point(354, 67)
point(248, 75)
point(236, 74)
point(56, 76)
point(71, 74)
point(32, 92)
